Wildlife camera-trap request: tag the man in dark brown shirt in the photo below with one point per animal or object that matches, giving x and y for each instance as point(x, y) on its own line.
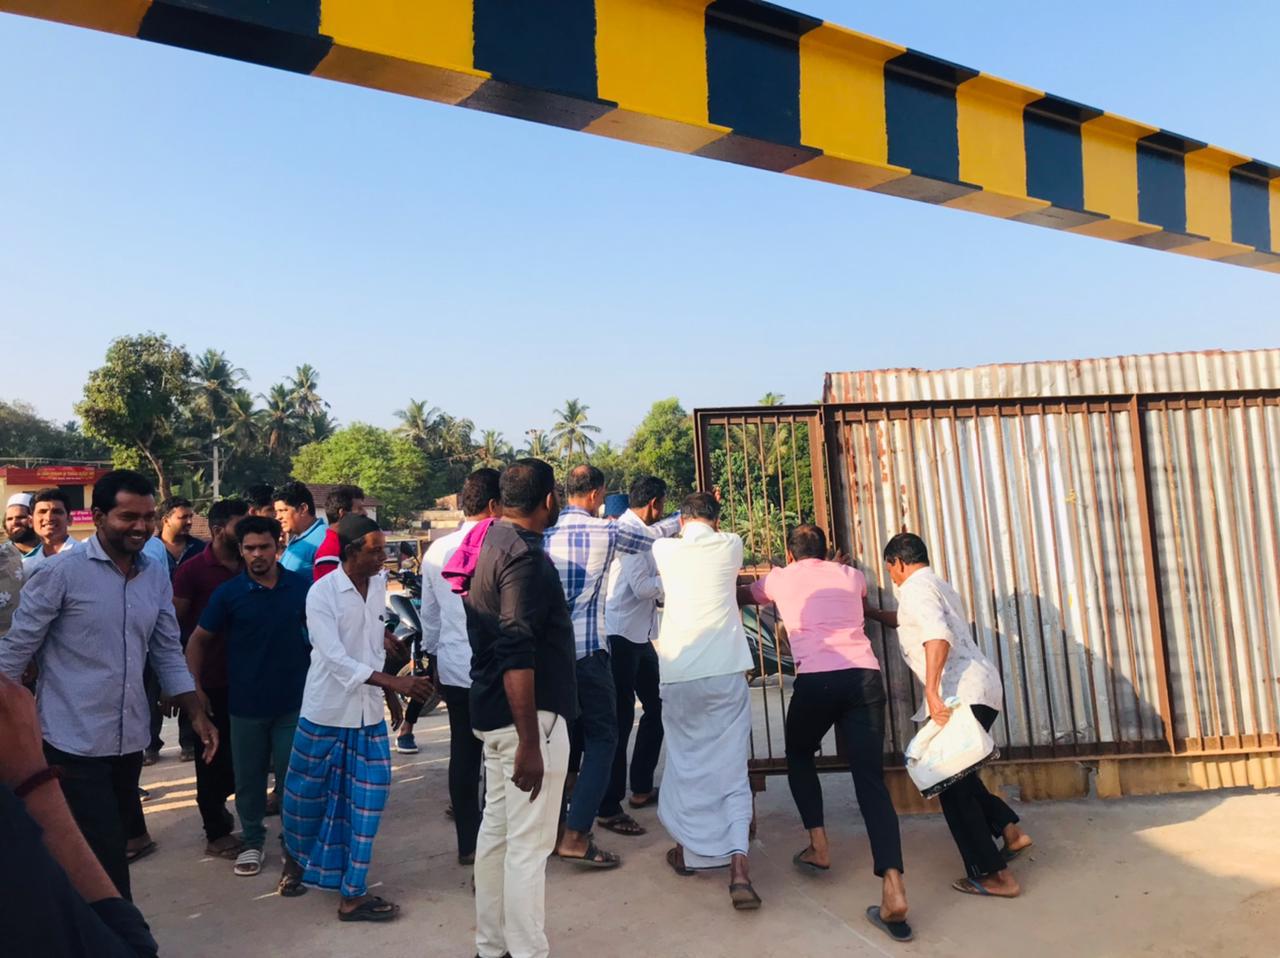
point(523, 696)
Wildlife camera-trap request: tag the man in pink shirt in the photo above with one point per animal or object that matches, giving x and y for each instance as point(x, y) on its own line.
point(837, 683)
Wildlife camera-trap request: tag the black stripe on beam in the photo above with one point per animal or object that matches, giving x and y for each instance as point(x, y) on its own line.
point(284, 34)
point(920, 113)
point(1251, 204)
point(1162, 180)
point(1055, 157)
point(542, 57)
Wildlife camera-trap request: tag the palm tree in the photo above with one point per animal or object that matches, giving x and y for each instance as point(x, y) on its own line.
point(537, 447)
point(316, 427)
point(418, 423)
point(493, 452)
point(303, 390)
point(572, 429)
point(772, 399)
point(279, 419)
point(454, 438)
point(216, 383)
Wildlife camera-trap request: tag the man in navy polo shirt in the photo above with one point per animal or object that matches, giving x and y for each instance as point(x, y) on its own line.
point(261, 616)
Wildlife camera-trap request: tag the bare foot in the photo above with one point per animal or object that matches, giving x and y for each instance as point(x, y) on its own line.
point(999, 885)
point(1015, 839)
point(893, 898)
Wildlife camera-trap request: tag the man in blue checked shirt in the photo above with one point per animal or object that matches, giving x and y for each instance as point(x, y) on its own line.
point(582, 548)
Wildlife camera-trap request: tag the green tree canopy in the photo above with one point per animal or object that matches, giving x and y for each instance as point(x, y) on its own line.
point(662, 446)
point(138, 401)
point(386, 465)
point(24, 435)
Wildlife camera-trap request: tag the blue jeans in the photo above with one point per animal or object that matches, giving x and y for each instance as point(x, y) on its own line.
point(597, 730)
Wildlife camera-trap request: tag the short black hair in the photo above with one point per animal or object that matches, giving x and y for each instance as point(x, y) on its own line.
point(644, 490)
point(481, 488)
point(260, 495)
point(173, 502)
point(525, 485)
point(908, 547)
point(807, 541)
point(115, 482)
point(295, 494)
point(258, 525)
point(224, 510)
point(340, 498)
point(51, 494)
point(700, 505)
point(583, 479)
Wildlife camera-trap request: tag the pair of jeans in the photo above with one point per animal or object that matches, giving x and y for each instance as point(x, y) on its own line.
point(595, 738)
point(853, 700)
point(516, 837)
point(216, 781)
point(975, 816)
point(102, 793)
point(257, 743)
point(635, 675)
point(465, 756)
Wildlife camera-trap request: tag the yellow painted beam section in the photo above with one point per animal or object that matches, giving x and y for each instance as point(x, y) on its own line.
point(112, 16)
point(842, 109)
point(1110, 150)
point(651, 59)
point(1209, 192)
point(1275, 216)
point(993, 151)
point(405, 46)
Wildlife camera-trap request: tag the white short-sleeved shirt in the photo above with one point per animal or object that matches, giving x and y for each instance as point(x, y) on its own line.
point(930, 609)
point(346, 648)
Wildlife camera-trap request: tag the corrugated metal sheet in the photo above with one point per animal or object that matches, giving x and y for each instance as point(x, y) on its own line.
point(1111, 376)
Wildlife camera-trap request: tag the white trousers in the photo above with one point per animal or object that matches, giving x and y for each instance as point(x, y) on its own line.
point(516, 836)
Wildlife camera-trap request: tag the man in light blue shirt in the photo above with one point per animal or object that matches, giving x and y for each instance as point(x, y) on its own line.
point(296, 513)
point(90, 620)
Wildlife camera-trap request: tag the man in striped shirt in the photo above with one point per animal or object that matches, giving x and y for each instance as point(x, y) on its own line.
point(582, 547)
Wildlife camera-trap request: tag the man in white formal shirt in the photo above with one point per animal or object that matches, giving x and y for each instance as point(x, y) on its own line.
point(444, 635)
point(631, 621)
point(340, 767)
point(705, 801)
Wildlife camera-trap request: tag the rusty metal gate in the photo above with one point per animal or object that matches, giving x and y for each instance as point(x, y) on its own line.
point(1119, 556)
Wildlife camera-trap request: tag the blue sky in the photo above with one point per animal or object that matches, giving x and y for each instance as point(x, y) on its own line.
point(494, 267)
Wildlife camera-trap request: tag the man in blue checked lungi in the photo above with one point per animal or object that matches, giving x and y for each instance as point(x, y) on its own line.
point(340, 768)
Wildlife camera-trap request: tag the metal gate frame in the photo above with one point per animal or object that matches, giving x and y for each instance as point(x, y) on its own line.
point(830, 512)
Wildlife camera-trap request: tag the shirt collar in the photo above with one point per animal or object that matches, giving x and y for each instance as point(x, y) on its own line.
point(93, 548)
point(697, 530)
point(254, 585)
point(575, 511)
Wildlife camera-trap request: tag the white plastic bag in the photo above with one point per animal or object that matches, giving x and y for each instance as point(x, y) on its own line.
point(941, 755)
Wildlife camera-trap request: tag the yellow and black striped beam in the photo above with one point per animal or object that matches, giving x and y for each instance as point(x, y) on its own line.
point(753, 83)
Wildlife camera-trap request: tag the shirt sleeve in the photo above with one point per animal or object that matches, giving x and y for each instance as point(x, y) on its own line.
point(429, 610)
point(322, 627)
point(642, 577)
point(924, 611)
point(328, 557)
point(214, 617)
point(39, 604)
point(520, 611)
point(630, 541)
point(760, 589)
point(164, 649)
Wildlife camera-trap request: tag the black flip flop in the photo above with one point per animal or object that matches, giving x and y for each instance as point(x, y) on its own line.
point(801, 862)
point(652, 799)
point(622, 824)
point(368, 910)
point(897, 930)
point(748, 902)
point(139, 853)
point(676, 866)
point(593, 857)
point(1011, 853)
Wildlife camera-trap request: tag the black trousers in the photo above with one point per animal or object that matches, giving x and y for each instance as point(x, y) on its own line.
point(103, 796)
point(635, 675)
point(186, 734)
point(976, 817)
point(466, 753)
point(853, 700)
point(216, 782)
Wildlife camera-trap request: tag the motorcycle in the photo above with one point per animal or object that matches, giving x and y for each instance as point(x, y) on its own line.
point(406, 625)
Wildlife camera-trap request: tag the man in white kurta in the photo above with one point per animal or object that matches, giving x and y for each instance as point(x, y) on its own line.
point(705, 799)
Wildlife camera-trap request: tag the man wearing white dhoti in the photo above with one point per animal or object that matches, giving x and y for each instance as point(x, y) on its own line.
point(705, 799)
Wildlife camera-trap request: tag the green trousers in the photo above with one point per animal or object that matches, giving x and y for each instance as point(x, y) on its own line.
point(255, 744)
